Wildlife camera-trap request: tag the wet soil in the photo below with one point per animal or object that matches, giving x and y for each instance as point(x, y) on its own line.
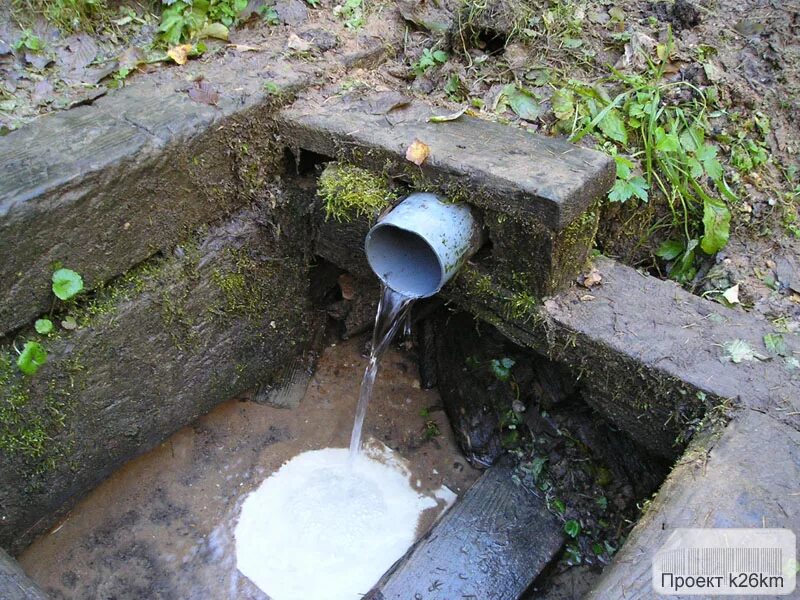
point(162, 526)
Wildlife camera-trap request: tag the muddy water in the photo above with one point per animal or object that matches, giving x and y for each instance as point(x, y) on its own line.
point(162, 527)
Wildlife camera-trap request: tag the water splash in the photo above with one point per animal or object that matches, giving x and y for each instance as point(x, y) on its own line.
point(392, 309)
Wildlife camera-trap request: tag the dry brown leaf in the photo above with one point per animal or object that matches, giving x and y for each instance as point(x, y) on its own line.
point(180, 54)
point(417, 152)
point(591, 279)
point(205, 93)
point(347, 285)
point(296, 43)
point(244, 48)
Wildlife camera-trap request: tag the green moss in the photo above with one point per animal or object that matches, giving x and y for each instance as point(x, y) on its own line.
point(350, 192)
point(33, 411)
point(244, 285)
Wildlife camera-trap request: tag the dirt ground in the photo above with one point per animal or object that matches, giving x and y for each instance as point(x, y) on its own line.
point(162, 526)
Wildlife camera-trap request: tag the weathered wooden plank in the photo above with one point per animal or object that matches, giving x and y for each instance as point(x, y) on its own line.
point(652, 356)
point(152, 352)
point(14, 583)
point(545, 177)
point(101, 188)
point(749, 477)
point(489, 546)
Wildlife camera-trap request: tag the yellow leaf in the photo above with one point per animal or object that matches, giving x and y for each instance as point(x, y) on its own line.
point(180, 53)
point(417, 152)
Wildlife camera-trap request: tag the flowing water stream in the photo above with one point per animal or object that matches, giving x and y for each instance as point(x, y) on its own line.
point(393, 307)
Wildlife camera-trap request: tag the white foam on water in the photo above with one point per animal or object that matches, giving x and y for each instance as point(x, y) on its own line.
point(326, 527)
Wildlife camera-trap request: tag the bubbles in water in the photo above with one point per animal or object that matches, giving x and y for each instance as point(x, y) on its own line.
point(327, 526)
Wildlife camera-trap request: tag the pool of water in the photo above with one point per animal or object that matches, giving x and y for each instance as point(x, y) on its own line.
point(162, 527)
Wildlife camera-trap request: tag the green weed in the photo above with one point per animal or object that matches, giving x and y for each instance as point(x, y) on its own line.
point(429, 59)
point(351, 12)
point(186, 20)
point(67, 15)
point(658, 133)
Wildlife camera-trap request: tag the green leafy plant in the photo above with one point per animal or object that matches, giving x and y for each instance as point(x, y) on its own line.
point(501, 368)
point(67, 15)
point(627, 185)
point(66, 283)
point(351, 12)
point(572, 528)
point(43, 326)
point(665, 140)
point(429, 59)
point(186, 20)
point(32, 357)
point(29, 41)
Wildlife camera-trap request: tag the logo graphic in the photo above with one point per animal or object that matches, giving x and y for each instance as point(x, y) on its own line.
point(731, 562)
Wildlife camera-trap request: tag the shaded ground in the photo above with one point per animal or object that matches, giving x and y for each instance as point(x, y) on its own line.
point(162, 527)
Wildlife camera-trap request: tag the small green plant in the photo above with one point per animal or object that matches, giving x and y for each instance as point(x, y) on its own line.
point(428, 60)
point(572, 528)
point(351, 12)
point(501, 368)
point(66, 15)
point(269, 14)
point(28, 41)
point(431, 430)
point(66, 283)
point(186, 20)
point(43, 326)
point(32, 357)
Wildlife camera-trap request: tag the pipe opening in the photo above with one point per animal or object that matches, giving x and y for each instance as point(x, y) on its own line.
point(404, 261)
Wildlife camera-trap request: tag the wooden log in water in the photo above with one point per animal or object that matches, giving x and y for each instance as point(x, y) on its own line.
point(14, 583)
point(489, 546)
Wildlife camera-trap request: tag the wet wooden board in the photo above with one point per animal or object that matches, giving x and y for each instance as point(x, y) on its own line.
point(489, 546)
point(14, 583)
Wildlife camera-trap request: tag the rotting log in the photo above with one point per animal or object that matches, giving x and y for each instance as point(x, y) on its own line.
point(153, 351)
point(651, 356)
point(101, 188)
point(744, 476)
point(490, 545)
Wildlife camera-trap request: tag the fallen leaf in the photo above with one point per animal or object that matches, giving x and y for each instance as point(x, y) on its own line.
point(739, 351)
point(591, 279)
point(637, 52)
point(347, 285)
point(587, 298)
point(776, 344)
point(42, 92)
point(79, 52)
point(417, 152)
point(69, 323)
point(214, 30)
point(446, 118)
point(732, 294)
point(385, 102)
point(296, 43)
point(713, 72)
point(204, 93)
point(180, 54)
point(244, 48)
point(131, 58)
